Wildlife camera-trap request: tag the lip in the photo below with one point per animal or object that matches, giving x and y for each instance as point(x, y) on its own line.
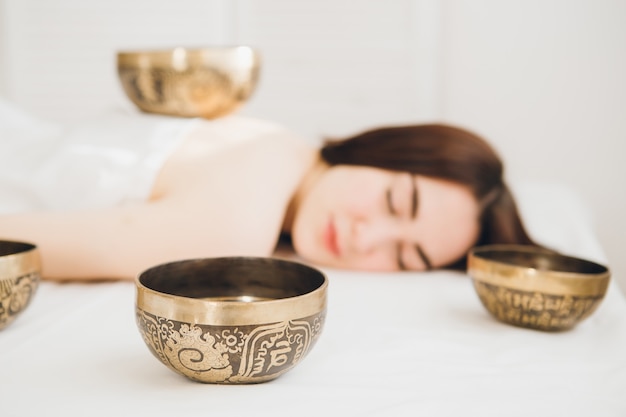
point(330, 238)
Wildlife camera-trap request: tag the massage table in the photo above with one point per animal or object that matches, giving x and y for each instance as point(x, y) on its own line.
point(394, 344)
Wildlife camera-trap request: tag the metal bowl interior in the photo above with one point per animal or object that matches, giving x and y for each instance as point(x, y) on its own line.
point(190, 82)
point(236, 278)
point(231, 320)
point(20, 269)
point(233, 290)
point(535, 287)
point(537, 258)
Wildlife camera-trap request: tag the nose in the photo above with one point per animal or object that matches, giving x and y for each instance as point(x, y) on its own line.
point(369, 235)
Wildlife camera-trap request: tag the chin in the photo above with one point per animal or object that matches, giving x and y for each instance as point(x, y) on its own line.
point(307, 247)
point(316, 260)
point(311, 258)
point(331, 263)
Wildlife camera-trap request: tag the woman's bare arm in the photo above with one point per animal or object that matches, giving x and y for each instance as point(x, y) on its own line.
point(108, 243)
point(227, 203)
point(120, 242)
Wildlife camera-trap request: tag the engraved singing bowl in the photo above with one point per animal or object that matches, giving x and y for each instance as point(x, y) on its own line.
point(232, 320)
point(190, 82)
point(20, 274)
point(536, 288)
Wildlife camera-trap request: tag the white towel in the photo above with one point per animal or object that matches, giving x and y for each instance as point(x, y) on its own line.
point(110, 160)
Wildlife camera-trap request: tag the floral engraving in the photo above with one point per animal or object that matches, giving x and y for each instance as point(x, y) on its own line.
point(229, 354)
point(15, 295)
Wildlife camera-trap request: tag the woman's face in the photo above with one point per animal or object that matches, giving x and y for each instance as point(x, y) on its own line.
point(366, 218)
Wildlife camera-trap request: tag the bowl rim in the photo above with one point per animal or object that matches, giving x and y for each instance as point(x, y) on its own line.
point(187, 48)
point(166, 57)
point(232, 312)
point(525, 278)
point(479, 252)
point(22, 262)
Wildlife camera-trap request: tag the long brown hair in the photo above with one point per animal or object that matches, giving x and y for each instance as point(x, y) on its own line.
point(444, 152)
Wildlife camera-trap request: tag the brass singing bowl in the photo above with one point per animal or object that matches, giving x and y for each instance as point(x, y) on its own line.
point(190, 82)
point(536, 288)
point(232, 320)
point(20, 274)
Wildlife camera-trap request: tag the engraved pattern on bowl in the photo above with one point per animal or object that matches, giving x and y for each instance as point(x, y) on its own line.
point(19, 279)
point(203, 82)
point(536, 288)
point(229, 354)
point(535, 309)
point(234, 320)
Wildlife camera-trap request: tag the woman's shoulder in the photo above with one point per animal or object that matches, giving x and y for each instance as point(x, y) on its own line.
point(237, 127)
point(242, 183)
point(242, 136)
point(234, 147)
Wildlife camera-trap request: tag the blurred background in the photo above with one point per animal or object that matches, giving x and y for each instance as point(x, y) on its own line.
point(542, 80)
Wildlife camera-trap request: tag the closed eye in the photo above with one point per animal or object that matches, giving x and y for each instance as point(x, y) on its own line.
point(393, 212)
point(390, 207)
point(401, 264)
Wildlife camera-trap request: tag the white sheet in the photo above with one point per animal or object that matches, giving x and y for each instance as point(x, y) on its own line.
point(394, 345)
point(108, 160)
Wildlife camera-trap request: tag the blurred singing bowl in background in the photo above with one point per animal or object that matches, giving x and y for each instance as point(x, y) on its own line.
point(536, 288)
point(201, 82)
point(20, 269)
point(233, 320)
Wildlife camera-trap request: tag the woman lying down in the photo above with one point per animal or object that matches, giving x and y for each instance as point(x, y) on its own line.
point(109, 199)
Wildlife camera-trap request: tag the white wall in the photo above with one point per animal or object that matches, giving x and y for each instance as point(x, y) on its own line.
point(541, 79)
point(3, 55)
point(335, 66)
point(61, 54)
point(544, 80)
point(330, 66)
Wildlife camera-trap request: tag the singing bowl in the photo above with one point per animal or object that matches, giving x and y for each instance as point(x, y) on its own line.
point(190, 82)
point(232, 320)
point(20, 274)
point(536, 288)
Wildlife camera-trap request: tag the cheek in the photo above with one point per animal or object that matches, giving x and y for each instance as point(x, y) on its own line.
point(342, 196)
point(307, 228)
point(357, 199)
point(449, 235)
point(342, 200)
